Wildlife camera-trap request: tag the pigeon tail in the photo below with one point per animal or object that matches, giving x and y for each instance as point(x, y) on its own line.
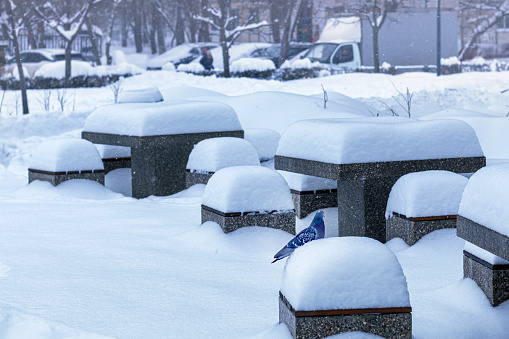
point(283, 253)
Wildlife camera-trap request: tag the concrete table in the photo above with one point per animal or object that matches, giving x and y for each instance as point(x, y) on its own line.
point(367, 156)
point(161, 137)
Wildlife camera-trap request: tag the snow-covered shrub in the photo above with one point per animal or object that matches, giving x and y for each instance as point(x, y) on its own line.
point(168, 67)
point(194, 68)
point(253, 68)
point(450, 65)
point(299, 69)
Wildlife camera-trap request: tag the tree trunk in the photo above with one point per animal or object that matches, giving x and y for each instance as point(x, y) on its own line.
point(285, 41)
point(158, 22)
point(138, 27)
point(376, 55)
point(40, 34)
point(22, 83)
point(30, 34)
point(93, 40)
point(125, 28)
point(68, 49)
point(203, 33)
point(275, 19)
point(180, 26)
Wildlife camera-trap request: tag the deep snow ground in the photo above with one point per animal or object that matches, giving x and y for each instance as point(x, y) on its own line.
point(80, 259)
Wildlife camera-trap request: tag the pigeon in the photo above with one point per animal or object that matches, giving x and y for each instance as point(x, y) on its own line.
point(315, 231)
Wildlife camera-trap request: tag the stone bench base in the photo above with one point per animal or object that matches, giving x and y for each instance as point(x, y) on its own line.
point(56, 178)
point(493, 280)
point(413, 229)
point(308, 201)
point(193, 178)
point(230, 222)
point(111, 164)
point(384, 322)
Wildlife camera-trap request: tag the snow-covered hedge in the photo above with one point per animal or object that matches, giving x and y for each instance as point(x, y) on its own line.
point(52, 83)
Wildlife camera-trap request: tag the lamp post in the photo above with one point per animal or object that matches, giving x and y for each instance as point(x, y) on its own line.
point(439, 43)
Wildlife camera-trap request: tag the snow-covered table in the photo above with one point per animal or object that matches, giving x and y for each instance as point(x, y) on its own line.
point(161, 137)
point(482, 222)
point(367, 156)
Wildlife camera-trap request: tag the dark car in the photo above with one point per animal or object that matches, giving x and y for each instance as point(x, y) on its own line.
point(273, 52)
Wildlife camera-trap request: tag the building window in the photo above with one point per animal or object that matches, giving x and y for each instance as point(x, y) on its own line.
point(503, 23)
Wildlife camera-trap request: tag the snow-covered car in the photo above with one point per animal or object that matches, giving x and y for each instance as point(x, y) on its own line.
point(181, 54)
point(273, 52)
point(34, 59)
point(236, 52)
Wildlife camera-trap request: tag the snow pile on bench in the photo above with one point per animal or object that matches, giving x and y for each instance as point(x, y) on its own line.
point(148, 119)
point(348, 141)
point(65, 155)
point(248, 189)
point(302, 182)
point(344, 273)
point(485, 199)
point(425, 194)
point(112, 152)
point(143, 94)
point(211, 155)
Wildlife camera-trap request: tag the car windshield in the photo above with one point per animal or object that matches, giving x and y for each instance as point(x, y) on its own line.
point(74, 56)
point(321, 52)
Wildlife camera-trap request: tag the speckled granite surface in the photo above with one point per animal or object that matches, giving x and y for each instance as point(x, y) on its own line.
point(411, 231)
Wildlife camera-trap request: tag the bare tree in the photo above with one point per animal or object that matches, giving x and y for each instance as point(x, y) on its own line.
point(11, 23)
point(66, 19)
point(219, 17)
point(111, 22)
point(375, 12)
point(481, 24)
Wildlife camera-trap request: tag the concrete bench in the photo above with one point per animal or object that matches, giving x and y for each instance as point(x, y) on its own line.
point(482, 222)
point(210, 155)
point(64, 159)
point(243, 196)
point(367, 156)
point(423, 202)
point(114, 157)
point(336, 285)
point(161, 137)
point(311, 193)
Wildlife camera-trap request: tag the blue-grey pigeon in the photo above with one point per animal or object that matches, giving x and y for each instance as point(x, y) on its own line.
point(315, 231)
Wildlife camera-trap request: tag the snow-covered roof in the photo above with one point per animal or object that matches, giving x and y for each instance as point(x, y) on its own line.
point(347, 141)
point(162, 118)
point(485, 198)
point(426, 194)
point(66, 154)
point(247, 189)
point(140, 94)
point(210, 155)
point(344, 273)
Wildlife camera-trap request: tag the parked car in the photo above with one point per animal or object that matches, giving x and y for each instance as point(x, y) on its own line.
point(34, 59)
point(181, 54)
point(273, 52)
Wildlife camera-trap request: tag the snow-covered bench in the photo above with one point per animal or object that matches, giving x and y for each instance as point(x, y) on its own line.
point(264, 140)
point(423, 202)
point(64, 159)
point(483, 223)
point(248, 196)
point(140, 95)
point(367, 156)
point(161, 136)
point(114, 157)
point(311, 193)
point(337, 285)
point(210, 155)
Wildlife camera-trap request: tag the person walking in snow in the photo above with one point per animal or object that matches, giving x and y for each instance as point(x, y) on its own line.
point(206, 59)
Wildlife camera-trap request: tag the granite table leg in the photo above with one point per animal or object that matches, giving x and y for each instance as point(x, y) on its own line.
point(361, 207)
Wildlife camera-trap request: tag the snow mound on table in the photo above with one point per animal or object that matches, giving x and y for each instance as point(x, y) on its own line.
point(344, 273)
point(302, 182)
point(491, 131)
point(426, 194)
point(66, 154)
point(188, 93)
point(164, 118)
point(141, 94)
point(349, 141)
point(485, 198)
point(111, 151)
point(210, 155)
point(248, 189)
point(264, 140)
